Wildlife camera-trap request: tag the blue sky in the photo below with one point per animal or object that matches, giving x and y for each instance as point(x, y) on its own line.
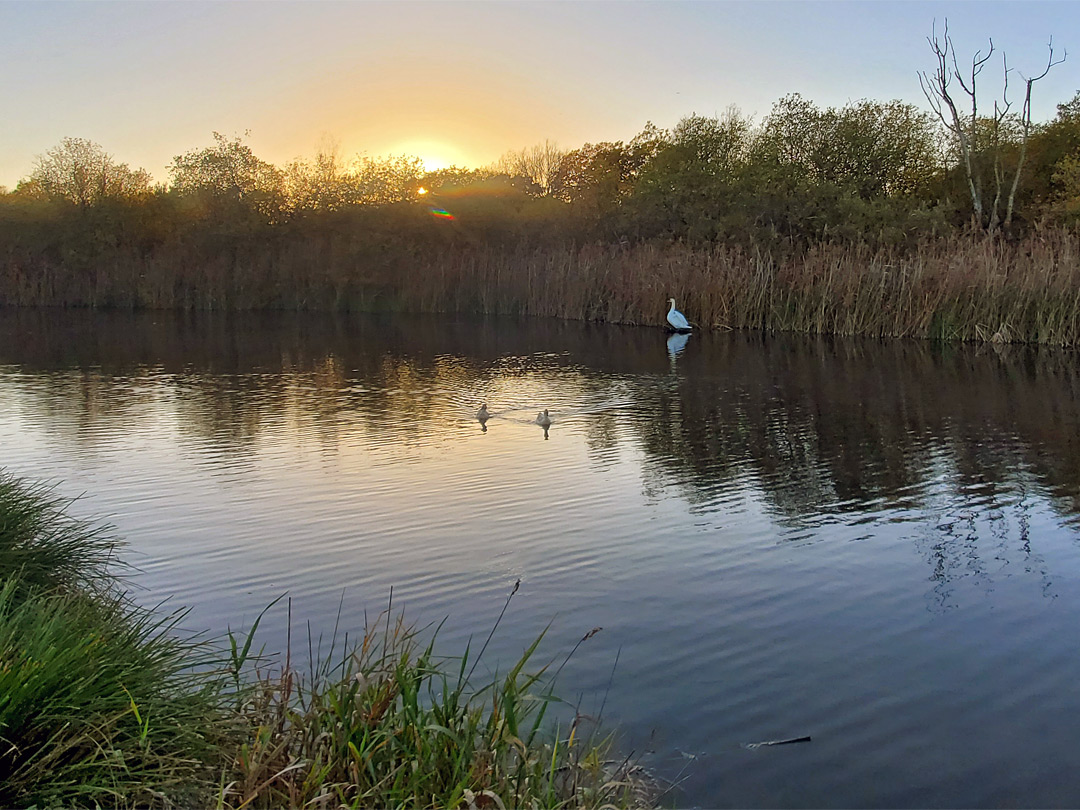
point(465, 81)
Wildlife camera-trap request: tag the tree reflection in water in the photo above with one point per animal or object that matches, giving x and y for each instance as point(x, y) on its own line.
point(820, 428)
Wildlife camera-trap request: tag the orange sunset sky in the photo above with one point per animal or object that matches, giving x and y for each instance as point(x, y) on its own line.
point(463, 82)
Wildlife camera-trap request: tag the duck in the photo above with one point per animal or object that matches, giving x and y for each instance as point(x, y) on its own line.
point(543, 419)
point(483, 414)
point(677, 319)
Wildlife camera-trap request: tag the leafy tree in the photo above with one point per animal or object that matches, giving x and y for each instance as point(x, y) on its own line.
point(319, 185)
point(700, 149)
point(873, 149)
point(691, 180)
point(784, 147)
point(1067, 179)
point(1053, 151)
point(385, 180)
point(454, 180)
point(867, 148)
point(597, 177)
point(229, 173)
point(80, 171)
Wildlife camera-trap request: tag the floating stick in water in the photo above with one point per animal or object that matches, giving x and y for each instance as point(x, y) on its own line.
point(777, 742)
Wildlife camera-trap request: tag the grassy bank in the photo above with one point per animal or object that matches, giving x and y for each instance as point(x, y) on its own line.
point(99, 703)
point(956, 287)
point(103, 703)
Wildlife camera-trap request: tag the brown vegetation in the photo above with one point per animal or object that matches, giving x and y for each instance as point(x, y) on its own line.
point(966, 287)
point(852, 220)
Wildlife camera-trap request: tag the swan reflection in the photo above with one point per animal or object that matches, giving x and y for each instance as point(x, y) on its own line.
point(676, 344)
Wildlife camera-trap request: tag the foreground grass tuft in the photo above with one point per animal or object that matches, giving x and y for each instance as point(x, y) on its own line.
point(42, 546)
point(389, 724)
point(99, 704)
point(105, 704)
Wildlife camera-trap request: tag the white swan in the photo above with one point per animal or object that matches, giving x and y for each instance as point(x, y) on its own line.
point(483, 414)
point(677, 319)
point(543, 419)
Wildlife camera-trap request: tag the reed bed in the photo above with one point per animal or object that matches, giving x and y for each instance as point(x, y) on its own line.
point(975, 289)
point(103, 703)
point(962, 287)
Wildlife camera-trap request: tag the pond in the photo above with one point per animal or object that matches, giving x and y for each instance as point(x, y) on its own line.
point(873, 544)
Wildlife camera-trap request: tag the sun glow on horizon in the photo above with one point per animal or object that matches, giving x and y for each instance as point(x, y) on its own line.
point(435, 155)
point(434, 163)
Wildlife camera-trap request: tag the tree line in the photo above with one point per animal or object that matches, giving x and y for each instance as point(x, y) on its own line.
point(803, 172)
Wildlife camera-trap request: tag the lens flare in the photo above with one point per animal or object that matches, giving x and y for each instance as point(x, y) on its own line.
point(441, 213)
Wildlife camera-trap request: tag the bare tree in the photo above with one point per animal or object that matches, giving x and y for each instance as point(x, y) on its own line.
point(1025, 123)
point(980, 136)
point(538, 164)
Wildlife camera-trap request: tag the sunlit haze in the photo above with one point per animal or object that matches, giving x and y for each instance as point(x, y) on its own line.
point(463, 82)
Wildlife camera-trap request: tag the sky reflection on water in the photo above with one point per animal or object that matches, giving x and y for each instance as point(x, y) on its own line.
point(871, 543)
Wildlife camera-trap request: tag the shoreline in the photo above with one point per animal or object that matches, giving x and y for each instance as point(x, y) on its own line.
point(980, 289)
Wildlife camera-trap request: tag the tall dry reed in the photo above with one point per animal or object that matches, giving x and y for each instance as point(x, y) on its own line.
point(964, 287)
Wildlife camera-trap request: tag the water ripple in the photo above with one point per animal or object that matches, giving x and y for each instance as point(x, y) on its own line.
point(777, 540)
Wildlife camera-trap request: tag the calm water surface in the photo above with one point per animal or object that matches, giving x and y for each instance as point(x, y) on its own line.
point(872, 544)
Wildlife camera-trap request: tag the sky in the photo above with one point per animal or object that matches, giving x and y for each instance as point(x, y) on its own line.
point(464, 82)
